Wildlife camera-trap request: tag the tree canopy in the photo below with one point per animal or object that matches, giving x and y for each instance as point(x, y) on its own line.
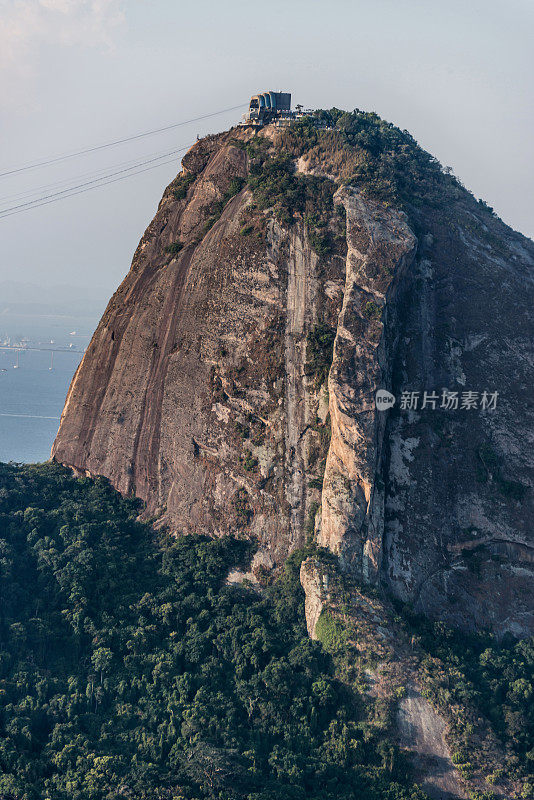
point(130, 668)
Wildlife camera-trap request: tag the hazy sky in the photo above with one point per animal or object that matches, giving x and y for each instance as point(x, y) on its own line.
point(77, 73)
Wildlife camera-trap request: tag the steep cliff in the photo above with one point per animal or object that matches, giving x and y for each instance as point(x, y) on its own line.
point(285, 278)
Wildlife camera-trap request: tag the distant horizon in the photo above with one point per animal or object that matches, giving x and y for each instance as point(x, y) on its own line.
point(89, 299)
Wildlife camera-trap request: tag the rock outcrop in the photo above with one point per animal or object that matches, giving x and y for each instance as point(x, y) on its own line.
point(314, 581)
point(230, 383)
point(381, 248)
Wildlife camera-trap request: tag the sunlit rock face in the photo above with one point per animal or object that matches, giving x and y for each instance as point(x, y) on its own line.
point(231, 381)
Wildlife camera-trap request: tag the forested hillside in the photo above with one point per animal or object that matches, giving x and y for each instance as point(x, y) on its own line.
point(130, 668)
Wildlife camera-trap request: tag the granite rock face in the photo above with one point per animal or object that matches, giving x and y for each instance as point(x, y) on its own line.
point(192, 394)
point(381, 248)
point(201, 392)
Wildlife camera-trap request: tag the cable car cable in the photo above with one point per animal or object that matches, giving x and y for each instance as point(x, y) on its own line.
point(116, 142)
point(7, 211)
point(92, 173)
point(86, 189)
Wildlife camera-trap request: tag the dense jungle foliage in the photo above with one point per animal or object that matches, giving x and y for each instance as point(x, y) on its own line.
point(130, 668)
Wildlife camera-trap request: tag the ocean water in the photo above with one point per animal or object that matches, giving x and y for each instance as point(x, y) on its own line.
point(32, 395)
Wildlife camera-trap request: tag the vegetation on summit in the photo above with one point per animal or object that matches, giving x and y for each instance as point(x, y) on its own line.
point(357, 148)
point(354, 148)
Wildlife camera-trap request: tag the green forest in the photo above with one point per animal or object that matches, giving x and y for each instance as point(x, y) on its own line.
point(130, 668)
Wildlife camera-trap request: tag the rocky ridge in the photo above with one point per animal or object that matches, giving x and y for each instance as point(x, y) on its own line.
point(230, 383)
